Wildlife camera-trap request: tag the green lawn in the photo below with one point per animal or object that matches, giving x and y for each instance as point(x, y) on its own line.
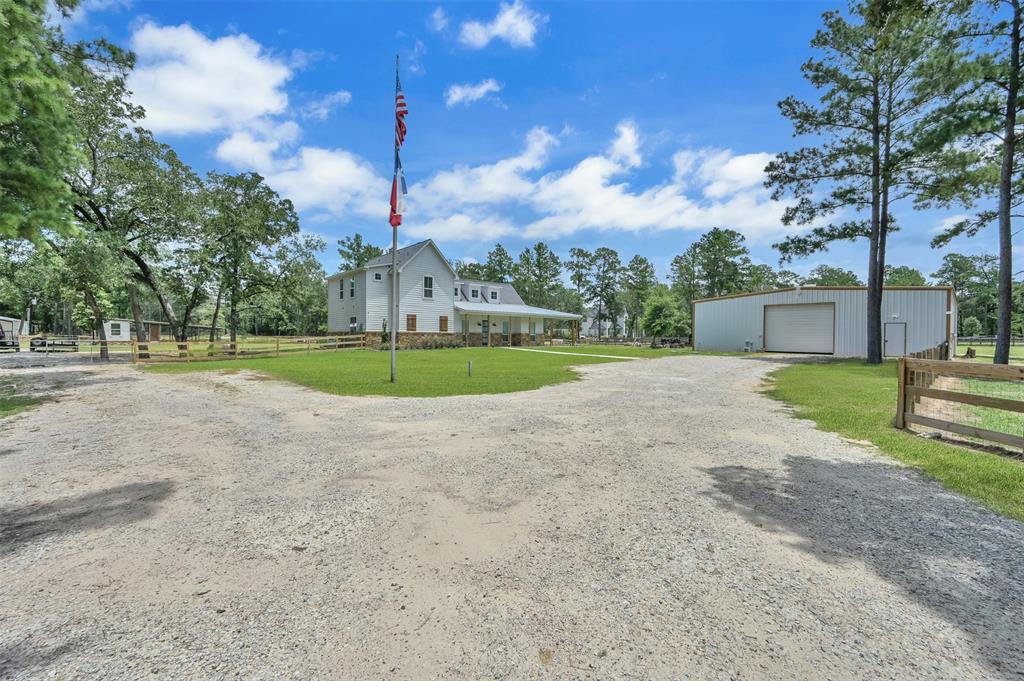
point(421, 373)
point(987, 352)
point(858, 401)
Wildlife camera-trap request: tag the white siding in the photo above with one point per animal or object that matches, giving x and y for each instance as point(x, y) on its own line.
point(341, 310)
point(378, 293)
point(729, 323)
point(122, 326)
point(428, 311)
point(427, 263)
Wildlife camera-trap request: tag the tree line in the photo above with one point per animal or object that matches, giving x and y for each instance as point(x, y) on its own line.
point(626, 298)
point(99, 219)
point(917, 107)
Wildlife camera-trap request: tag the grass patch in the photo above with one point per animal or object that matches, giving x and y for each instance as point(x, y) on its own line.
point(858, 401)
point(421, 373)
point(11, 403)
point(985, 353)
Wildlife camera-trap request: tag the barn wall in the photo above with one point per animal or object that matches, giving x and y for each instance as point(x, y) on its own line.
point(726, 324)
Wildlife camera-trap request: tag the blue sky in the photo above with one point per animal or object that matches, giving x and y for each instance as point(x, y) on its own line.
point(632, 125)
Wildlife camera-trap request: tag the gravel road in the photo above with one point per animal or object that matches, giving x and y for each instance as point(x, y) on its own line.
point(657, 520)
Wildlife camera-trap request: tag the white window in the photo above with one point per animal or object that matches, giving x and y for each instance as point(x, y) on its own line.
point(115, 328)
point(341, 289)
point(494, 295)
point(456, 292)
point(352, 325)
point(377, 276)
point(352, 288)
point(428, 287)
point(474, 293)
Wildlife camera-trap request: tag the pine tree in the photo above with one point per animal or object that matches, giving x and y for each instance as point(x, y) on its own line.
point(876, 94)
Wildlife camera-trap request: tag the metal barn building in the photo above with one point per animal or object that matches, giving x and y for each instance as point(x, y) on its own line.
point(827, 320)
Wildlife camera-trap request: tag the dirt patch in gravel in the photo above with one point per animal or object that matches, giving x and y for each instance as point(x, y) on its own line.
point(659, 519)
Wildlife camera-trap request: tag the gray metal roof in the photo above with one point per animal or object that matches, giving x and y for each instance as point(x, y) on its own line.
point(508, 293)
point(505, 309)
point(402, 255)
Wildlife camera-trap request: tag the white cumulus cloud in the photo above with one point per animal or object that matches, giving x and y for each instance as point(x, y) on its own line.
point(322, 107)
point(468, 93)
point(708, 188)
point(515, 23)
point(438, 20)
point(189, 83)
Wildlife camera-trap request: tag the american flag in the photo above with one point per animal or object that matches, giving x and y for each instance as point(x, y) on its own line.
point(398, 189)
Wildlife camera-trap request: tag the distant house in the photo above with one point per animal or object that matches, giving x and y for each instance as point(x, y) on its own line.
point(591, 329)
point(432, 301)
point(124, 330)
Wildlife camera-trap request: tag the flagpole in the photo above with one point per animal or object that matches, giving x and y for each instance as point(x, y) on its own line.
point(394, 274)
point(394, 299)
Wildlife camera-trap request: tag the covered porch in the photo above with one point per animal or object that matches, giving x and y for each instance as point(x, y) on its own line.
point(491, 325)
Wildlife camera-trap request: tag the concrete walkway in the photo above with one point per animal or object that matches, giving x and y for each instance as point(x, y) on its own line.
point(576, 354)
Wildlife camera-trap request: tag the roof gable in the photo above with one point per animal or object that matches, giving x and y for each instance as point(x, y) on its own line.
point(403, 256)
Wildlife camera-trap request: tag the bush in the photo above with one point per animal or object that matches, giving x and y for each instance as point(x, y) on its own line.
point(972, 326)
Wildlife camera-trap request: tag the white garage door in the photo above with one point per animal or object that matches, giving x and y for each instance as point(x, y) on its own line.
point(799, 328)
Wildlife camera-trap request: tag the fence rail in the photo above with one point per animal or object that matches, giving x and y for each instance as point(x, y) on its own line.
point(987, 340)
point(982, 401)
point(275, 346)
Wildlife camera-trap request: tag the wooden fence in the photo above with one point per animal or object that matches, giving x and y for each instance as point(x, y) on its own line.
point(276, 346)
point(940, 351)
point(986, 390)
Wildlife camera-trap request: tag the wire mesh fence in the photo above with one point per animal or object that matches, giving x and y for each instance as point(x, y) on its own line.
point(976, 401)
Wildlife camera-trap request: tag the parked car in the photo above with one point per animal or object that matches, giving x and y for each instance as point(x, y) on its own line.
point(42, 343)
point(8, 341)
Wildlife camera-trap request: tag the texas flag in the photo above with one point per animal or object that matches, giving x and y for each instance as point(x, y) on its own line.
point(398, 189)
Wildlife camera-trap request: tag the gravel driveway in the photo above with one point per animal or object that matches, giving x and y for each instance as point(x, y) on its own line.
point(657, 520)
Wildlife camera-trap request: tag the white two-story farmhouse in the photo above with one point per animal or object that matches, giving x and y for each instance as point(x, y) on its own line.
point(432, 301)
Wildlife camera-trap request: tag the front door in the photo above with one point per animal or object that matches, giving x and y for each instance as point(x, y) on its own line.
point(485, 330)
point(895, 339)
point(504, 333)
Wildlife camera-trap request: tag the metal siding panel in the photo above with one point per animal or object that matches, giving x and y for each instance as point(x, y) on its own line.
point(802, 327)
point(726, 324)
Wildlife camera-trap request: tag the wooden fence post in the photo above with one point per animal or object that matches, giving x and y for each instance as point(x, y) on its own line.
point(278, 342)
point(901, 399)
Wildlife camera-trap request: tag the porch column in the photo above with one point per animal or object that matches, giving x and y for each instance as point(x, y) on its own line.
point(490, 332)
point(529, 327)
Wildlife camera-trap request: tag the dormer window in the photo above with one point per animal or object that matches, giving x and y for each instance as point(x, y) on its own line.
point(456, 292)
point(428, 287)
point(377, 276)
point(494, 295)
point(474, 293)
